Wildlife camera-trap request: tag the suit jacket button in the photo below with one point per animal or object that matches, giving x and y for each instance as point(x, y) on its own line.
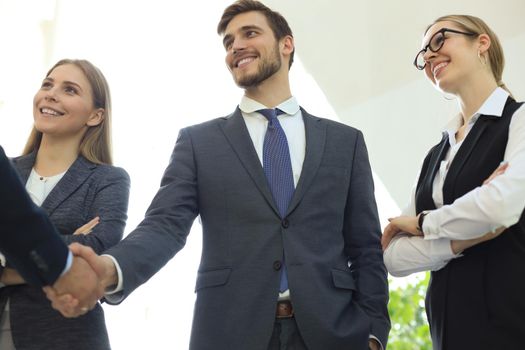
point(277, 265)
point(285, 223)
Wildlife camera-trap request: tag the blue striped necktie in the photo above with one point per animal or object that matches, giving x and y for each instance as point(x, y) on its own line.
point(278, 170)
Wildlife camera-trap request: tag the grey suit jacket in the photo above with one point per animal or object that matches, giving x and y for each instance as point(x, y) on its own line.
point(86, 190)
point(332, 220)
point(27, 237)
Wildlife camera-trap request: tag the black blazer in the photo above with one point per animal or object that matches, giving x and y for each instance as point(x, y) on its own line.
point(27, 238)
point(86, 190)
point(476, 301)
point(332, 219)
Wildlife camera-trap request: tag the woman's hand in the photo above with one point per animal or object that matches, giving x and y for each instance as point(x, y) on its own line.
point(87, 228)
point(389, 233)
point(405, 224)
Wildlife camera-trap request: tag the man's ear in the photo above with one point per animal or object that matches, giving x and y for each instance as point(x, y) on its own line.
point(287, 45)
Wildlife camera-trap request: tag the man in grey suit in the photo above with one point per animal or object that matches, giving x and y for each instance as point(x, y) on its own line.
point(32, 245)
point(281, 267)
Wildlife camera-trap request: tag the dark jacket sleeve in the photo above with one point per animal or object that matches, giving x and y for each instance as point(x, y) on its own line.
point(167, 223)
point(27, 238)
point(363, 244)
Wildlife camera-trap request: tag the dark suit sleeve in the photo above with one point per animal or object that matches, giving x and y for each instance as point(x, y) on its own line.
point(363, 244)
point(27, 238)
point(111, 205)
point(166, 224)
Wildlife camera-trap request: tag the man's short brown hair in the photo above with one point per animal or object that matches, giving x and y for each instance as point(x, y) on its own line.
point(276, 21)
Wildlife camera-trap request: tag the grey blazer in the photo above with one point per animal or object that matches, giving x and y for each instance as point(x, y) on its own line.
point(85, 191)
point(332, 220)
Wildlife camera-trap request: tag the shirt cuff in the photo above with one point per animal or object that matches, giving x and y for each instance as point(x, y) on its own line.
point(120, 280)
point(429, 228)
point(441, 250)
point(69, 262)
point(371, 336)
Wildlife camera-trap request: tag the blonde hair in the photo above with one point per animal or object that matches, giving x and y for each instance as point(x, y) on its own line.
point(95, 145)
point(472, 24)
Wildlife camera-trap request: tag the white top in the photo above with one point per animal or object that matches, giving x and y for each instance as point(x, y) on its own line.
point(39, 187)
point(484, 209)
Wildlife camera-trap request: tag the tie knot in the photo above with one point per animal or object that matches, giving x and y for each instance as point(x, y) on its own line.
point(270, 113)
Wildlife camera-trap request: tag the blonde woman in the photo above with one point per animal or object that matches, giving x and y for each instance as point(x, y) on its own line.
point(465, 222)
point(66, 165)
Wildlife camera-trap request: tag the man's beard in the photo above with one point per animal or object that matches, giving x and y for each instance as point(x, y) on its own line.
point(266, 69)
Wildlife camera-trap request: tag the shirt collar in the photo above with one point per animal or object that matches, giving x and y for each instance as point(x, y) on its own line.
point(248, 105)
point(493, 105)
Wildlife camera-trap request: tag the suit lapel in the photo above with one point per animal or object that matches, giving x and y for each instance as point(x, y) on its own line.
point(315, 141)
point(469, 143)
point(237, 135)
point(74, 177)
point(433, 167)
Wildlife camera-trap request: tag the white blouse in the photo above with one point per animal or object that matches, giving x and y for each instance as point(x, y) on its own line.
point(39, 187)
point(484, 209)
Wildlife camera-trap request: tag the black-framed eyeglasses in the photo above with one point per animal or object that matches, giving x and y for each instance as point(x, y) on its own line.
point(435, 44)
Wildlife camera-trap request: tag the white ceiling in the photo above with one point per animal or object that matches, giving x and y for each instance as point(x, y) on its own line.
point(360, 49)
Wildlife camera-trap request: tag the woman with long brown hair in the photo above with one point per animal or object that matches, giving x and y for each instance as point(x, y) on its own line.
point(67, 168)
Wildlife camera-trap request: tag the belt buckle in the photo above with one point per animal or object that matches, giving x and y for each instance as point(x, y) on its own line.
point(284, 309)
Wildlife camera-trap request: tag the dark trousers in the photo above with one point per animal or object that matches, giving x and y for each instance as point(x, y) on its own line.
point(286, 335)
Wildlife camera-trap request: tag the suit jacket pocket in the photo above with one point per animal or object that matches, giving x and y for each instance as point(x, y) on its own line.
point(343, 279)
point(212, 278)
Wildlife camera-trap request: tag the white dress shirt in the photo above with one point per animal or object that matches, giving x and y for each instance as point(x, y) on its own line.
point(484, 209)
point(292, 123)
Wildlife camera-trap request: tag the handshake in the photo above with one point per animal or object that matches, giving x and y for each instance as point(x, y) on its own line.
point(78, 290)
